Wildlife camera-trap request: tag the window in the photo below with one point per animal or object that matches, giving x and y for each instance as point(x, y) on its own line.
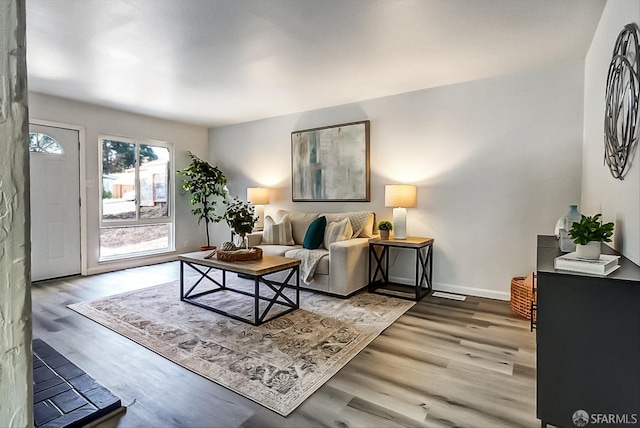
point(136, 214)
point(42, 143)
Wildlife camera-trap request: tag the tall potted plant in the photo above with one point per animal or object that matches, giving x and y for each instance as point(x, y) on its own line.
point(207, 185)
point(588, 234)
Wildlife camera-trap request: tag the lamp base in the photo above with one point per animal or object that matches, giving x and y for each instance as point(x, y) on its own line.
point(400, 223)
point(259, 210)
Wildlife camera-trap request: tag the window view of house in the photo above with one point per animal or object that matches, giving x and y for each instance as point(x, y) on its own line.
point(135, 211)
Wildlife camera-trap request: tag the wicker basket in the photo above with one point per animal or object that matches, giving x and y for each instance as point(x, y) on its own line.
point(255, 253)
point(521, 296)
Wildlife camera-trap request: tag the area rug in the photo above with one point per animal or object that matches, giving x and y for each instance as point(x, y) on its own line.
point(278, 364)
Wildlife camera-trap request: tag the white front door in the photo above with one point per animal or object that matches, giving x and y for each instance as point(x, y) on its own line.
point(55, 202)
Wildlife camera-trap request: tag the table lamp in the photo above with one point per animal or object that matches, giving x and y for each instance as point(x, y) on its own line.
point(401, 197)
point(259, 197)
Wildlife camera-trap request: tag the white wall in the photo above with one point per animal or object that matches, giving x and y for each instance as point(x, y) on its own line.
point(101, 120)
point(618, 201)
point(496, 162)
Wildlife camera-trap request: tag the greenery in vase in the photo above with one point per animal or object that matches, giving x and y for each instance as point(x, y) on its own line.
point(240, 216)
point(206, 184)
point(591, 229)
point(385, 225)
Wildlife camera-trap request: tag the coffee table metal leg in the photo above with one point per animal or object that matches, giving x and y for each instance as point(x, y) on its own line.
point(297, 287)
point(181, 280)
point(256, 292)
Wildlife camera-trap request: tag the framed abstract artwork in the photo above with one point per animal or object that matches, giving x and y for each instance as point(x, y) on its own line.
point(331, 163)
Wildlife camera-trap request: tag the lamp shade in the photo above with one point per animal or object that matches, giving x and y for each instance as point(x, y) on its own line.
point(258, 195)
point(400, 195)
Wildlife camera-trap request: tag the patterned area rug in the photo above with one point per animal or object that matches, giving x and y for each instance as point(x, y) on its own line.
point(278, 364)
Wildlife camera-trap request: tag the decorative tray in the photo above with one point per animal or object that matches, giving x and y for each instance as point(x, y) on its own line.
point(242, 255)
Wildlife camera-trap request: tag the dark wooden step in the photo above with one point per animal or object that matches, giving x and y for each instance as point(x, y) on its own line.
point(63, 394)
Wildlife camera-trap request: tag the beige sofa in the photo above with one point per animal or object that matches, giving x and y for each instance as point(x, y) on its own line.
point(343, 268)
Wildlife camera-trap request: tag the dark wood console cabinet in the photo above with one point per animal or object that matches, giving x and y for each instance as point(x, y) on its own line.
point(588, 342)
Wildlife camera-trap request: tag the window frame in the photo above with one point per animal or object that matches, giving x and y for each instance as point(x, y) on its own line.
point(171, 197)
point(45, 152)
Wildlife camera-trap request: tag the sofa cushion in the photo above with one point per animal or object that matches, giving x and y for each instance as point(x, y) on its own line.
point(277, 233)
point(299, 223)
point(315, 234)
point(358, 220)
point(278, 250)
point(338, 230)
point(331, 217)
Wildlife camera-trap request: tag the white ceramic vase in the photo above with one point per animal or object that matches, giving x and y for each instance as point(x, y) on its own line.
point(566, 221)
point(591, 251)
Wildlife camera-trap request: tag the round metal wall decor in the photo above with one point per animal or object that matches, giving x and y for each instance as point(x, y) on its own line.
point(621, 103)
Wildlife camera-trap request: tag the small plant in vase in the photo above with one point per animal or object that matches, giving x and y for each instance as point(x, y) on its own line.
point(240, 216)
point(385, 227)
point(588, 234)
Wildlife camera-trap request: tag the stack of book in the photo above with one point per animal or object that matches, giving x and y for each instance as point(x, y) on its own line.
point(602, 266)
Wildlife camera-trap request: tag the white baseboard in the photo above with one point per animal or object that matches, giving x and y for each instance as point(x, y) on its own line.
point(131, 263)
point(459, 289)
point(471, 291)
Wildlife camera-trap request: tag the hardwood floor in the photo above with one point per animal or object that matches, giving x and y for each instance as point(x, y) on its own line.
point(443, 363)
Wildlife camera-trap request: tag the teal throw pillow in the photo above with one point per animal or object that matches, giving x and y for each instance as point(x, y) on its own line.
point(315, 234)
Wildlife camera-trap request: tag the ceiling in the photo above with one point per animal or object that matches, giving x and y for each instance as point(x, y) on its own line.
point(217, 62)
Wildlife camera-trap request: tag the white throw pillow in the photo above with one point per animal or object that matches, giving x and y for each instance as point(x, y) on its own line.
point(277, 233)
point(337, 230)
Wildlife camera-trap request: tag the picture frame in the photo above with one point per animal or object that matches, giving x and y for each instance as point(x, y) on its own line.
point(331, 163)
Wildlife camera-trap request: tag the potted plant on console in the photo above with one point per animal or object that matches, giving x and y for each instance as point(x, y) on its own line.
point(206, 184)
point(588, 234)
point(385, 227)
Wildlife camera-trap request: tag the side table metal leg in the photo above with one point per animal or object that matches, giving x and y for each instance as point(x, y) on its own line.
point(376, 266)
point(370, 257)
point(418, 274)
point(385, 254)
point(423, 271)
point(430, 274)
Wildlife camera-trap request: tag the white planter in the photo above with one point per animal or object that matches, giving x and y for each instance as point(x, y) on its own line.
point(591, 251)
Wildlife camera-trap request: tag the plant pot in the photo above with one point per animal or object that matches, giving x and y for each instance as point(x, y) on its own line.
point(591, 251)
point(207, 247)
point(384, 234)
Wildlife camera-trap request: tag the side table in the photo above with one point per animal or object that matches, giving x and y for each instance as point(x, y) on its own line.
point(379, 267)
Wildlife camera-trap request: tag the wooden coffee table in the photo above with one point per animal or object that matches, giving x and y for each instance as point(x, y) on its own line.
point(255, 269)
